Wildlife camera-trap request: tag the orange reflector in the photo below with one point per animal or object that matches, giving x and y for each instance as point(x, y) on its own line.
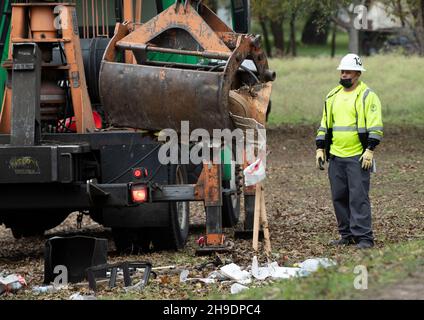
point(139, 193)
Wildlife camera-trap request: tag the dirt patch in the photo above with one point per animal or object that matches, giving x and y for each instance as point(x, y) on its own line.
point(299, 208)
point(411, 288)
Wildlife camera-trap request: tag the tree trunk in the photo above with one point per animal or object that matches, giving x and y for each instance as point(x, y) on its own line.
point(401, 13)
point(350, 28)
point(278, 33)
point(293, 46)
point(316, 29)
point(333, 40)
point(353, 39)
point(419, 27)
point(266, 37)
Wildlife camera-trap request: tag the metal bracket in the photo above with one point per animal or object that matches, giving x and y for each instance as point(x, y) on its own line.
point(125, 267)
point(140, 53)
point(26, 82)
point(94, 192)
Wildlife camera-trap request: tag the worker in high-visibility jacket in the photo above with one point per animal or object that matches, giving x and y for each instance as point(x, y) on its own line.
point(351, 128)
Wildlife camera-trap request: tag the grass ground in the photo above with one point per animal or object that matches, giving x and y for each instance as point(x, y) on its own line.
point(303, 83)
point(385, 268)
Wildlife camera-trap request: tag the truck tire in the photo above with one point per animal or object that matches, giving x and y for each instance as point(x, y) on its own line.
point(230, 207)
point(249, 209)
point(174, 236)
point(33, 223)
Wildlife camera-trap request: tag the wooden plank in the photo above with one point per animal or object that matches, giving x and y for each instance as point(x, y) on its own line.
point(265, 227)
point(256, 216)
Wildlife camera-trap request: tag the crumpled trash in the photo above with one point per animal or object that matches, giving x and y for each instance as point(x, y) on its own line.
point(273, 270)
point(254, 173)
point(231, 272)
point(184, 278)
point(12, 283)
point(259, 273)
point(184, 275)
point(237, 288)
point(79, 296)
point(43, 289)
point(277, 272)
point(300, 270)
point(218, 275)
point(48, 289)
point(312, 265)
point(234, 272)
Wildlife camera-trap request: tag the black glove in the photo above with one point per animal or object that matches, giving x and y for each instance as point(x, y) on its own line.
point(320, 144)
point(372, 143)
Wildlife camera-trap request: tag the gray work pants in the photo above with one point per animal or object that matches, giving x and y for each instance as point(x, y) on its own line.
point(350, 185)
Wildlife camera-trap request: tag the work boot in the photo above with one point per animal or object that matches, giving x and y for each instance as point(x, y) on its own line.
point(342, 242)
point(364, 244)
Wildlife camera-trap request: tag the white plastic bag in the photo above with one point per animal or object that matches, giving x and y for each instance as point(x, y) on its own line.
point(254, 173)
point(312, 265)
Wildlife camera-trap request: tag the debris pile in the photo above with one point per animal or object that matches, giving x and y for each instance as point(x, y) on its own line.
point(256, 273)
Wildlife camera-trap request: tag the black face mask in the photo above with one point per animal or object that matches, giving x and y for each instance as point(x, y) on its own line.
point(347, 83)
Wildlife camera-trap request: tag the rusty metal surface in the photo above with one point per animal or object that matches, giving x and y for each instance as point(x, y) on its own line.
point(208, 186)
point(215, 239)
point(204, 54)
point(251, 102)
point(40, 16)
point(212, 186)
point(154, 98)
point(156, 95)
point(177, 17)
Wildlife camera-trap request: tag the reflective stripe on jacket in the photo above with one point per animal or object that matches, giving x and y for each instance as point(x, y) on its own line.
point(367, 118)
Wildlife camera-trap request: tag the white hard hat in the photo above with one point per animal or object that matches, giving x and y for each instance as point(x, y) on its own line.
point(352, 62)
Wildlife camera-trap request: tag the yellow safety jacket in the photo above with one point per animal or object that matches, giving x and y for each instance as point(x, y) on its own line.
point(346, 127)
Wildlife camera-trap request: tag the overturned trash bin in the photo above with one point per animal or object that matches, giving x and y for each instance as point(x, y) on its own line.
point(76, 253)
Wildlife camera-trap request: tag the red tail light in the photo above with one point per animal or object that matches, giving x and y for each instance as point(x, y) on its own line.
point(139, 193)
point(139, 173)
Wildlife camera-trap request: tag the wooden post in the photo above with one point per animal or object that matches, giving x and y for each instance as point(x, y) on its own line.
point(265, 227)
point(260, 219)
point(257, 216)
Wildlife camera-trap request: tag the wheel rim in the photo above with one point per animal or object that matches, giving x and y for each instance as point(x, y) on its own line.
point(181, 206)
